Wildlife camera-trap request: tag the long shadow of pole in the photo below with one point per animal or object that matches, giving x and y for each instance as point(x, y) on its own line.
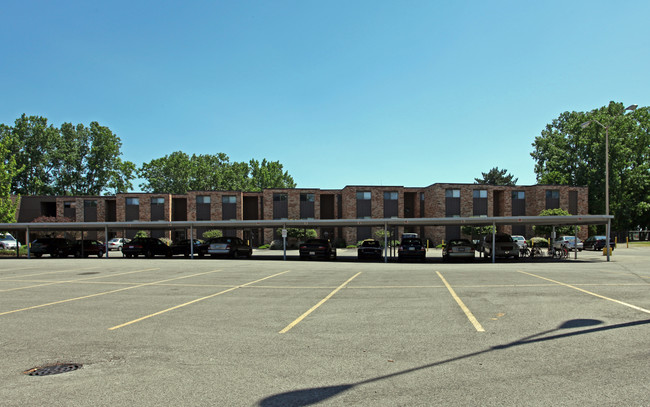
point(306, 397)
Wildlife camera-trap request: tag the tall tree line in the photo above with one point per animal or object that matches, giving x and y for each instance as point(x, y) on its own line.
point(70, 160)
point(571, 151)
point(41, 159)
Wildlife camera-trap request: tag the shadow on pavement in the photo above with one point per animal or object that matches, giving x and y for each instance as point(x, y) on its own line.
point(306, 397)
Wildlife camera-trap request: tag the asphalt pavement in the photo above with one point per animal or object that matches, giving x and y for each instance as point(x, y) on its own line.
point(265, 332)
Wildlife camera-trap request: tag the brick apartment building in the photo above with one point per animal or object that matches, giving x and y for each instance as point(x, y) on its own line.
point(351, 202)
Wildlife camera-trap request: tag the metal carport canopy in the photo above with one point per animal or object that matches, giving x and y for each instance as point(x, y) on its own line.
point(302, 223)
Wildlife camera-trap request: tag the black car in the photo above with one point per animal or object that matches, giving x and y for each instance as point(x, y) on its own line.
point(411, 248)
point(146, 246)
point(54, 246)
point(87, 248)
point(184, 247)
point(370, 249)
point(317, 248)
point(597, 243)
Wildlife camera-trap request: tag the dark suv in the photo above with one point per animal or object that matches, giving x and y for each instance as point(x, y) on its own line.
point(54, 246)
point(146, 246)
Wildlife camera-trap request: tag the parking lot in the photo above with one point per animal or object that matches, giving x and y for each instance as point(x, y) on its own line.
point(264, 332)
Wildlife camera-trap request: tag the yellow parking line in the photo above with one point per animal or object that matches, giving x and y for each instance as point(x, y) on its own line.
point(321, 302)
point(74, 281)
point(462, 305)
point(589, 292)
point(192, 302)
point(102, 293)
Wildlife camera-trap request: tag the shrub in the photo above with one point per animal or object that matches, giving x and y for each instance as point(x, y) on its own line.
point(538, 241)
point(166, 240)
point(142, 233)
point(264, 246)
point(211, 234)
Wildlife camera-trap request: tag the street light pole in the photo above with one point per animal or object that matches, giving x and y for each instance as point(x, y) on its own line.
point(585, 124)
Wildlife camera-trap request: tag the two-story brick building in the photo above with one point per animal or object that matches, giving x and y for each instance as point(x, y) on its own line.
point(352, 202)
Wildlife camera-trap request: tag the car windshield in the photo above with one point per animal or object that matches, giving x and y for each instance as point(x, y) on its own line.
point(411, 241)
point(316, 241)
point(459, 242)
point(370, 244)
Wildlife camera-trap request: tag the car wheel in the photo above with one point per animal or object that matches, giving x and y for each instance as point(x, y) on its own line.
point(149, 254)
point(77, 254)
point(100, 254)
point(38, 255)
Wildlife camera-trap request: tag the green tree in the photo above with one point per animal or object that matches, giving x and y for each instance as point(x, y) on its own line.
point(178, 173)
point(72, 160)
point(32, 142)
point(496, 177)
point(545, 230)
point(88, 161)
point(268, 174)
point(567, 153)
point(8, 170)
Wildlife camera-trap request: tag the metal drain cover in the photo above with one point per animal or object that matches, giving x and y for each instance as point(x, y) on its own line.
point(53, 369)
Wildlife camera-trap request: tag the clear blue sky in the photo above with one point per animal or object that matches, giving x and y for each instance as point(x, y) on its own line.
point(342, 93)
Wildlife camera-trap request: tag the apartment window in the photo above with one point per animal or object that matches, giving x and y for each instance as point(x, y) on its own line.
point(203, 207)
point(229, 207)
point(307, 210)
point(552, 199)
point(306, 197)
point(132, 209)
point(518, 203)
point(280, 206)
point(480, 203)
point(364, 205)
point(452, 193)
point(69, 205)
point(203, 199)
point(391, 208)
point(157, 209)
point(390, 196)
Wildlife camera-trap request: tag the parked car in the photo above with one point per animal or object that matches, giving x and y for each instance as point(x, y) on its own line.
point(570, 242)
point(117, 243)
point(411, 248)
point(8, 242)
point(146, 246)
point(54, 246)
point(229, 246)
point(87, 248)
point(370, 249)
point(317, 248)
point(458, 249)
point(504, 246)
point(184, 247)
point(597, 243)
point(521, 241)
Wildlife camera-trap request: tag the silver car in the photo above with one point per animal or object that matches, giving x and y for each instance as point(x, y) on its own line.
point(116, 243)
point(229, 246)
point(8, 242)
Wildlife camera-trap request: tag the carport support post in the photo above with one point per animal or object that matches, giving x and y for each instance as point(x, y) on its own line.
point(106, 241)
point(284, 242)
point(494, 240)
point(191, 242)
point(29, 246)
point(575, 241)
point(82, 243)
point(385, 242)
point(609, 230)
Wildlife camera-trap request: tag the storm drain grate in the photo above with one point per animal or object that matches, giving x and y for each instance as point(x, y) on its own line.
point(53, 369)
